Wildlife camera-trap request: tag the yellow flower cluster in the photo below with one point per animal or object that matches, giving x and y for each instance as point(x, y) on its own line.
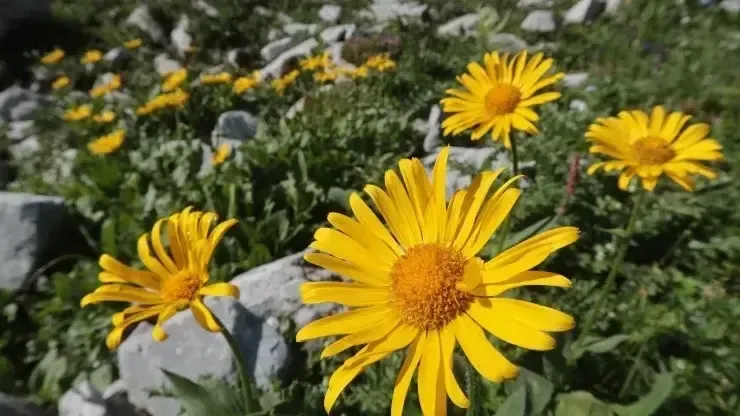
point(246, 83)
point(175, 99)
point(212, 79)
point(101, 90)
point(313, 63)
point(91, 57)
point(78, 113)
point(61, 82)
point(280, 84)
point(105, 117)
point(174, 80)
point(107, 144)
point(381, 62)
point(53, 57)
point(221, 154)
point(133, 43)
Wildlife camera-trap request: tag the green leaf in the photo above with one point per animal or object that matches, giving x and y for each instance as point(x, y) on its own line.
point(108, 237)
point(521, 235)
point(539, 390)
point(647, 405)
point(102, 377)
point(515, 405)
point(607, 344)
point(194, 398)
point(617, 232)
point(581, 403)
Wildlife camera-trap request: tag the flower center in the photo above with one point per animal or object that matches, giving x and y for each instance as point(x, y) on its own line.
point(183, 286)
point(423, 286)
point(502, 99)
point(652, 151)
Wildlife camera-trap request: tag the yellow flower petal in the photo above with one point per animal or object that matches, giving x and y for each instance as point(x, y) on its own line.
point(345, 322)
point(121, 293)
point(350, 294)
point(370, 334)
point(405, 374)
point(114, 338)
point(486, 359)
point(430, 382)
point(143, 278)
point(505, 327)
point(220, 289)
point(168, 312)
point(527, 278)
point(203, 316)
point(533, 315)
point(447, 340)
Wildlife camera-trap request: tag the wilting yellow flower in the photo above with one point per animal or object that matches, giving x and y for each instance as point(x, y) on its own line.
point(175, 99)
point(381, 62)
point(173, 281)
point(222, 152)
point(243, 84)
point(315, 62)
point(359, 72)
point(418, 283)
point(112, 85)
point(53, 57)
point(499, 97)
point(133, 43)
point(107, 144)
point(327, 75)
point(78, 113)
point(60, 82)
point(280, 84)
point(653, 146)
point(220, 78)
point(105, 117)
point(174, 80)
point(92, 56)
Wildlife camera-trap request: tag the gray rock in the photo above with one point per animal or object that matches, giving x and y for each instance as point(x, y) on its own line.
point(506, 42)
point(180, 37)
point(273, 49)
point(276, 68)
point(730, 6)
point(337, 33)
point(18, 104)
point(82, 400)
point(539, 21)
point(578, 105)
point(19, 130)
point(25, 147)
point(296, 108)
point(583, 11)
point(431, 139)
point(534, 4)
point(575, 79)
point(294, 28)
point(386, 10)
point(116, 55)
point(28, 221)
point(238, 57)
point(235, 125)
point(14, 406)
point(163, 64)
point(330, 13)
point(193, 352)
point(142, 19)
point(206, 8)
point(460, 26)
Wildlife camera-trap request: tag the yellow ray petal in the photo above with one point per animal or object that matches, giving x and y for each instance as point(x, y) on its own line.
point(486, 359)
point(159, 248)
point(447, 340)
point(343, 376)
point(168, 312)
point(528, 278)
point(370, 334)
point(345, 322)
point(406, 373)
point(346, 269)
point(114, 338)
point(344, 247)
point(507, 328)
point(392, 216)
point(121, 293)
point(366, 217)
point(430, 382)
point(143, 278)
point(350, 294)
point(151, 262)
point(364, 236)
point(204, 316)
point(490, 219)
point(533, 315)
point(403, 204)
point(220, 289)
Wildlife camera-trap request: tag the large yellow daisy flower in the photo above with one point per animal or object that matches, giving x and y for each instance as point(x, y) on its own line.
point(653, 146)
point(171, 283)
point(418, 283)
point(499, 97)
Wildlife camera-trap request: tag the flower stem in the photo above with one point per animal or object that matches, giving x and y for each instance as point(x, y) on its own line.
point(633, 369)
point(507, 222)
point(472, 387)
point(624, 244)
point(514, 156)
point(249, 398)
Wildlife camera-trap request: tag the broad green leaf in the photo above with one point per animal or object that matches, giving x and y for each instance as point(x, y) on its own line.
point(521, 235)
point(581, 403)
point(102, 377)
point(193, 397)
point(539, 390)
point(108, 237)
point(607, 344)
point(647, 405)
point(515, 405)
point(617, 232)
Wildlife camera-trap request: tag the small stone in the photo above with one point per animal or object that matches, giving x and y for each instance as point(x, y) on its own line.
point(273, 49)
point(506, 42)
point(206, 8)
point(431, 139)
point(235, 125)
point(534, 4)
point(337, 33)
point(181, 39)
point(238, 58)
point(300, 28)
point(583, 11)
point(578, 105)
point(142, 18)
point(164, 65)
point(387, 10)
point(15, 406)
point(730, 6)
point(296, 108)
point(277, 67)
point(115, 55)
point(575, 79)
point(82, 400)
point(460, 26)
point(330, 13)
point(612, 6)
point(539, 21)
point(18, 104)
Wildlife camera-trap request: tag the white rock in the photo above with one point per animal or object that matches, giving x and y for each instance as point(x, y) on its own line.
point(181, 39)
point(17, 104)
point(276, 68)
point(296, 28)
point(534, 4)
point(238, 57)
point(386, 10)
point(28, 223)
point(578, 105)
point(82, 400)
point(613, 5)
point(235, 125)
point(275, 48)
point(431, 139)
point(19, 130)
point(539, 21)
point(337, 33)
point(460, 26)
point(575, 79)
point(506, 42)
point(731, 6)
point(142, 18)
point(163, 64)
point(582, 11)
point(116, 55)
point(206, 8)
point(330, 13)
point(296, 108)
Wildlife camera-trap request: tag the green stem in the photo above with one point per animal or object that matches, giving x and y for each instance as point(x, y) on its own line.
point(507, 223)
point(472, 387)
point(514, 156)
point(624, 244)
point(249, 398)
point(633, 369)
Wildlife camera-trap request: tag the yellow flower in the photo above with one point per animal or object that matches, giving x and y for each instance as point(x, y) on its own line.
point(173, 281)
point(359, 72)
point(315, 62)
point(220, 78)
point(78, 113)
point(133, 43)
point(381, 62)
point(499, 96)
point(91, 57)
point(222, 152)
point(107, 144)
point(653, 146)
point(417, 282)
point(174, 80)
point(326, 75)
point(53, 57)
point(105, 117)
point(245, 83)
point(280, 84)
point(60, 83)
point(101, 90)
point(175, 99)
